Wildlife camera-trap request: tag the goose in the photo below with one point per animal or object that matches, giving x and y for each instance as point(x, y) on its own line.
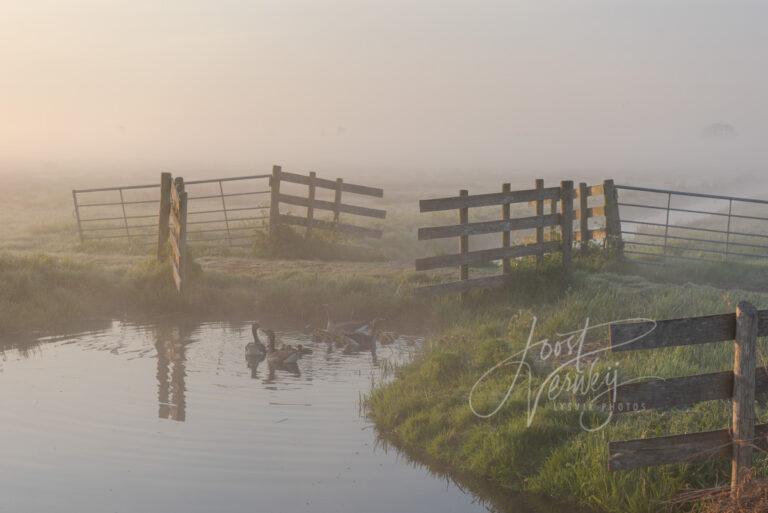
point(350, 346)
point(256, 348)
point(303, 350)
point(280, 356)
point(321, 335)
point(339, 327)
point(253, 364)
point(366, 336)
point(298, 348)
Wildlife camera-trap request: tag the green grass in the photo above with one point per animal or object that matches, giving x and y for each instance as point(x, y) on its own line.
point(47, 293)
point(426, 408)
point(287, 243)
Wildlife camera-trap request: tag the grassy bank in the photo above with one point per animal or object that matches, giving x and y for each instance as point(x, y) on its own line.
point(426, 408)
point(44, 293)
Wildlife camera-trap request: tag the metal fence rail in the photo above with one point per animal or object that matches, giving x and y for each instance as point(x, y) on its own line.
point(216, 214)
point(660, 225)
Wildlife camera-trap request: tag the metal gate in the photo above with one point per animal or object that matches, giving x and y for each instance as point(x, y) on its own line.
point(659, 225)
point(220, 209)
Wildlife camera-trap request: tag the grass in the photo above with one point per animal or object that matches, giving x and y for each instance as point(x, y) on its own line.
point(43, 292)
point(426, 408)
point(287, 243)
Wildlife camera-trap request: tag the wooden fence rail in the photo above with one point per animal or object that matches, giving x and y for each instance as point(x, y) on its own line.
point(740, 386)
point(311, 204)
point(563, 221)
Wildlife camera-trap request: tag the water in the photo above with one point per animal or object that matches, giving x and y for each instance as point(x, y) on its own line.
point(170, 418)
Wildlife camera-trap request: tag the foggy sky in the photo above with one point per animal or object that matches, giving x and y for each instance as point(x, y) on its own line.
point(396, 85)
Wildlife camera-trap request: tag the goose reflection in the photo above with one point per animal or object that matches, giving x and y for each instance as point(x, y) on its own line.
point(253, 363)
point(273, 368)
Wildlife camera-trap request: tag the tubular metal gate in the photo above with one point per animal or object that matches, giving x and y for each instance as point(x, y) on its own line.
point(215, 214)
point(658, 225)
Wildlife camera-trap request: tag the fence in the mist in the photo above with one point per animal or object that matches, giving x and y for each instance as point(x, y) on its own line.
point(173, 228)
point(311, 203)
point(560, 238)
point(227, 210)
point(661, 226)
point(739, 386)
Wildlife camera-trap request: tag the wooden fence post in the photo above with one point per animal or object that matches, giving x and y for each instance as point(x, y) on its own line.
point(77, 215)
point(743, 427)
point(310, 203)
point(226, 214)
point(182, 241)
point(125, 217)
point(464, 242)
point(337, 200)
point(584, 217)
point(506, 234)
point(540, 214)
point(612, 219)
point(166, 181)
point(274, 202)
point(553, 211)
point(566, 228)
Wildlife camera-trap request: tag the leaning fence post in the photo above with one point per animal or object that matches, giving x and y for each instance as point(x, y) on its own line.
point(584, 217)
point(505, 235)
point(540, 215)
point(77, 215)
point(226, 215)
point(166, 181)
point(274, 202)
point(337, 200)
point(743, 427)
point(464, 241)
point(612, 219)
point(310, 203)
point(566, 228)
point(182, 241)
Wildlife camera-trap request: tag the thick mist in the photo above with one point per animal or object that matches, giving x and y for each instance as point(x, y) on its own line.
point(384, 88)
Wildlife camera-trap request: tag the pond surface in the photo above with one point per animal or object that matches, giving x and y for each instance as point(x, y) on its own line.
point(170, 418)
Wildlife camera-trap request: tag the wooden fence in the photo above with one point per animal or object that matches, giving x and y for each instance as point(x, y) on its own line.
point(739, 386)
point(564, 195)
point(173, 228)
point(311, 204)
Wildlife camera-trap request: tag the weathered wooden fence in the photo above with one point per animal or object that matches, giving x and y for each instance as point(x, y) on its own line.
point(175, 225)
point(537, 197)
point(739, 386)
point(311, 204)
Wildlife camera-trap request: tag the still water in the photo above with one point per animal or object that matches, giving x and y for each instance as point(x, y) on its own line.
point(170, 418)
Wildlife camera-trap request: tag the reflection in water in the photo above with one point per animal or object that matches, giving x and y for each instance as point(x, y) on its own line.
point(171, 372)
point(253, 364)
point(84, 427)
point(274, 368)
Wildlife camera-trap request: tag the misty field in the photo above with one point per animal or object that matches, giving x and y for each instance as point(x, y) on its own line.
point(52, 283)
